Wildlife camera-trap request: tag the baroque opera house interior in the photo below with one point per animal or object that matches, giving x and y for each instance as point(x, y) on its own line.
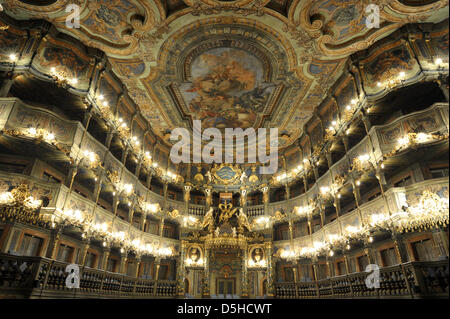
point(224, 149)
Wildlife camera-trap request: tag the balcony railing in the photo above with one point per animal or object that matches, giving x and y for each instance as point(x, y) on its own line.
point(38, 277)
point(409, 280)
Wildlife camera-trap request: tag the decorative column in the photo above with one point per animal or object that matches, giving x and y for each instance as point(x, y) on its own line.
point(291, 232)
point(138, 169)
point(52, 247)
point(270, 269)
point(187, 196)
point(265, 191)
point(124, 155)
point(97, 190)
point(400, 248)
point(208, 193)
point(165, 188)
point(109, 137)
point(309, 218)
point(123, 261)
point(322, 216)
point(131, 212)
point(104, 261)
point(441, 242)
point(157, 266)
point(73, 170)
point(329, 261)
point(83, 252)
point(206, 284)
point(138, 265)
point(87, 117)
point(305, 182)
point(367, 124)
point(243, 198)
point(149, 181)
point(161, 228)
point(288, 192)
point(244, 274)
point(116, 201)
point(316, 171)
point(337, 205)
point(368, 250)
point(181, 271)
point(142, 221)
point(356, 193)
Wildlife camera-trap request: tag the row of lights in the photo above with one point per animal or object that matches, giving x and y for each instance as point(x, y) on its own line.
point(333, 128)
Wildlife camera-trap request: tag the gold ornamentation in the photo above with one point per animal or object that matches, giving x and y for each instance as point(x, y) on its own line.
point(226, 212)
point(208, 220)
point(174, 214)
point(243, 222)
point(279, 216)
point(217, 170)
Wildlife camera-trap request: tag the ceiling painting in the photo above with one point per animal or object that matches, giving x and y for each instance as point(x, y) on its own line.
point(228, 89)
point(243, 63)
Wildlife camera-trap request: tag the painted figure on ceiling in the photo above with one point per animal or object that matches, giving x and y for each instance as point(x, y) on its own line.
point(227, 89)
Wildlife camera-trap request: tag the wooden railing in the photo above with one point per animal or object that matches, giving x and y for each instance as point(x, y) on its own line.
point(38, 277)
point(409, 280)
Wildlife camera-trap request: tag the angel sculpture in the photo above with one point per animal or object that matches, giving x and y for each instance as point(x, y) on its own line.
point(234, 232)
point(208, 220)
point(217, 232)
point(243, 221)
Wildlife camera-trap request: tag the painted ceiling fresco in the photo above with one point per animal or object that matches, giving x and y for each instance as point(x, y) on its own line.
point(228, 89)
point(243, 63)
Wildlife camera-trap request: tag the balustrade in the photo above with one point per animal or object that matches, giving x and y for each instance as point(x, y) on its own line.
point(38, 276)
point(409, 280)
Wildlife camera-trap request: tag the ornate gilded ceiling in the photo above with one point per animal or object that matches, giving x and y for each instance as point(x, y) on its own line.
point(243, 63)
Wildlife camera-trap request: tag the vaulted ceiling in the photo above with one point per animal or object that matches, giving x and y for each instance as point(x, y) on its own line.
point(242, 63)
